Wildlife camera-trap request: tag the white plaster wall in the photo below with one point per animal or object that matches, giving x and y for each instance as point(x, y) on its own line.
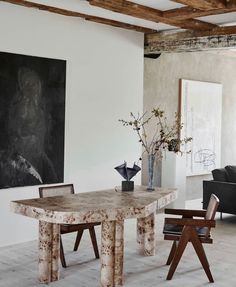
point(104, 83)
point(161, 88)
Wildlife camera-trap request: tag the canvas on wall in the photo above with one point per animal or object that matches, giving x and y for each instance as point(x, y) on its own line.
point(32, 120)
point(201, 110)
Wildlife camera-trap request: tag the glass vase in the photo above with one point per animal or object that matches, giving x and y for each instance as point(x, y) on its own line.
point(151, 161)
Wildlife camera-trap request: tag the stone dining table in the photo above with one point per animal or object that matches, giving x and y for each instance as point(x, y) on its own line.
point(111, 208)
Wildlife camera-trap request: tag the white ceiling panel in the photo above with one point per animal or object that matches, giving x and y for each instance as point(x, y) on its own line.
point(220, 19)
point(158, 4)
point(85, 8)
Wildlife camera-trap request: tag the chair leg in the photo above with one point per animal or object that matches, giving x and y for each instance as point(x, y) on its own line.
point(78, 238)
point(221, 216)
point(179, 252)
point(94, 241)
point(172, 253)
point(201, 254)
point(62, 255)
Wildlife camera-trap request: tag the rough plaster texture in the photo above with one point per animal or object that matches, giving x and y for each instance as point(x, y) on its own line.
point(161, 88)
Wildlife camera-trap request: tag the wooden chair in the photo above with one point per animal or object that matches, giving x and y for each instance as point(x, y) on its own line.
point(189, 229)
point(65, 189)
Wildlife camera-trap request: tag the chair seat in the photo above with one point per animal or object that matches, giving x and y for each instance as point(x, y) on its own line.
point(177, 230)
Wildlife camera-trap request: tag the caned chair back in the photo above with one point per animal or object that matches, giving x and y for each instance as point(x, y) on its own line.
point(66, 189)
point(56, 190)
point(211, 209)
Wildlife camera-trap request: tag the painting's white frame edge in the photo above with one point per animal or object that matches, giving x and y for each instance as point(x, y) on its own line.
point(181, 112)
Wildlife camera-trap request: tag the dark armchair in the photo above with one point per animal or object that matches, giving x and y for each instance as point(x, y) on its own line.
point(223, 186)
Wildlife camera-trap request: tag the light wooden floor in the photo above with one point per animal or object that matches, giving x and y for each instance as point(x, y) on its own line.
point(18, 263)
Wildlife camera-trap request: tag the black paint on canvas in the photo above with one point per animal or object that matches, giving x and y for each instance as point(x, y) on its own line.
point(32, 120)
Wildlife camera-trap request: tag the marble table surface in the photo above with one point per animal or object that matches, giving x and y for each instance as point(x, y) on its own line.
point(95, 206)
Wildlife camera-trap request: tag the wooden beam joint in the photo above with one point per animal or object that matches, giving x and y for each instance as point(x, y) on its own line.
point(150, 14)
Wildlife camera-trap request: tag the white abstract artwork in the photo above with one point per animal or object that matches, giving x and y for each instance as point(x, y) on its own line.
point(201, 110)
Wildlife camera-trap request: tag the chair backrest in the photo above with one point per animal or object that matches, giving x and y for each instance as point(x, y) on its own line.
point(211, 210)
point(212, 207)
point(56, 190)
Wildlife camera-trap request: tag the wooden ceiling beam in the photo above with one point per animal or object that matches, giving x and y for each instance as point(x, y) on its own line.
point(150, 14)
point(87, 17)
point(204, 4)
point(221, 37)
point(189, 12)
point(230, 4)
point(171, 35)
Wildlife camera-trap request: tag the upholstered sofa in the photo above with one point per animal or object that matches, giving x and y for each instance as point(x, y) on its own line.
point(223, 186)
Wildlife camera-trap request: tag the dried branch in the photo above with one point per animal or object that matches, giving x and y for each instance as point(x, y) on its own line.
point(165, 136)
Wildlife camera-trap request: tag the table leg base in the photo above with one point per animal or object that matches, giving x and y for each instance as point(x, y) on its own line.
point(146, 235)
point(112, 251)
point(49, 252)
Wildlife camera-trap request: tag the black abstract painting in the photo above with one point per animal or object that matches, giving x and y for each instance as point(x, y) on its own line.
point(32, 120)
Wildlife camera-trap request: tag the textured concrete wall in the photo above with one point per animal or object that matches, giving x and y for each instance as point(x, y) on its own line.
point(161, 88)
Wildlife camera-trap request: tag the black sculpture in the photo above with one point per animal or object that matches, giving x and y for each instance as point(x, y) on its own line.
point(127, 173)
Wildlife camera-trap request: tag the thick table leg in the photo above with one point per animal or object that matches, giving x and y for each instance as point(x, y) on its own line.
point(119, 253)
point(112, 253)
point(49, 251)
point(107, 253)
point(55, 252)
point(146, 235)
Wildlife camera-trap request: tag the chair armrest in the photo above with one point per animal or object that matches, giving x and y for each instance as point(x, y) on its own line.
point(191, 222)
point(228, 183)
point(186, 212)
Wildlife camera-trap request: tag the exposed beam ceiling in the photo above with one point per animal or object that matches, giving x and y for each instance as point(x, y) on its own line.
point(199, 34)
point(204, 4)
point(87, 17)
point(147, 13)
point(221, 37)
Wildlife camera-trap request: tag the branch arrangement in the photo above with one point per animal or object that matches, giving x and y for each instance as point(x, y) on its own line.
point(164, 136)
